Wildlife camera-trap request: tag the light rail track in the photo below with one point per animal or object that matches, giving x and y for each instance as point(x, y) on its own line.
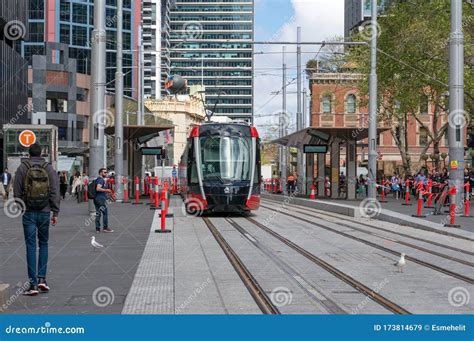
point(375, 296)
point(314, 210)
point(380, 247)
point(254, 288)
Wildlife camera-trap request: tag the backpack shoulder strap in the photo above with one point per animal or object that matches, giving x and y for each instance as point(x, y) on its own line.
point(27, 164)
point(45, 165)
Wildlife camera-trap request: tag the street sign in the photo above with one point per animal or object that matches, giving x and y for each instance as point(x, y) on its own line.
point(151, 150)
point(27, 138)
point(315, 148)
point(454, 164)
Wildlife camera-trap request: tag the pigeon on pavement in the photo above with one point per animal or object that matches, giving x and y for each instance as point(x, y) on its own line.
point(401, 263)
point(95, 244)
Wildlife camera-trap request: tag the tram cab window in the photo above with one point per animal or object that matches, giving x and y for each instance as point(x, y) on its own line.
point(226, 158)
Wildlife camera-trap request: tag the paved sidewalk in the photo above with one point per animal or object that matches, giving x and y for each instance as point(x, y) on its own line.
point(76, 271)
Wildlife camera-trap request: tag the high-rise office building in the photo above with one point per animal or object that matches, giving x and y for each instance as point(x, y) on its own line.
point(71, 22)
point(156, 43)
point(210, 46)
point(13, 68)
point(356, 12)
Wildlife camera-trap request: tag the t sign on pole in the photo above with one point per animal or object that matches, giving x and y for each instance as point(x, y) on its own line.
point(27, 138)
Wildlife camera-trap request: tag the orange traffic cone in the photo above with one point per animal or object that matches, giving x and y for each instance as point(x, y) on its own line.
point(313, 192)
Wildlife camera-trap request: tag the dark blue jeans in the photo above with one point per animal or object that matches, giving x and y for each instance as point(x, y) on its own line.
point(101, 209)
point(36, 226)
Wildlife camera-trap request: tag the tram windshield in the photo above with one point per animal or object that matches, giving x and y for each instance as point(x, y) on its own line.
point(226, 158)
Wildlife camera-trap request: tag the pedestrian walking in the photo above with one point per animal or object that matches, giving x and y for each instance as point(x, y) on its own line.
point(6, 183)
point(63, 184)
point(36, 184)
point(291, 184)
point(395, 185)
point(76, 184)
point(100, 202)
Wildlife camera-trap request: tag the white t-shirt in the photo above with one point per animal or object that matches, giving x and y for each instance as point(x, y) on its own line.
point(5, 179)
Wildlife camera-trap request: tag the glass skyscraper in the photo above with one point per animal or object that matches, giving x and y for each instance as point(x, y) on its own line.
point(220, 57)
point(71, 22)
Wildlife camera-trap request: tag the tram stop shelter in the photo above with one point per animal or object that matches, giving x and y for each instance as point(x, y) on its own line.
point(135, 137)
point(332, 139)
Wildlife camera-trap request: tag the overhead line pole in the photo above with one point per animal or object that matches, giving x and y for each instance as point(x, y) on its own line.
point(456, 118)
point(98, 84)
point(372, 139)
point(119, 105)
point(284, 132)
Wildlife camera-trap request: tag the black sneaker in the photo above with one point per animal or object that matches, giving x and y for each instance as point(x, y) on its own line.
point(31, 291)
point(97, 231)
point(42, 285)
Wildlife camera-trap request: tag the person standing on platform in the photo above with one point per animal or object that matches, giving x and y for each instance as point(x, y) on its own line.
point(100, 202)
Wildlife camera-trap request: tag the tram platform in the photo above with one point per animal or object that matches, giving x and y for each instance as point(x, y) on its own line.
point(392, 211)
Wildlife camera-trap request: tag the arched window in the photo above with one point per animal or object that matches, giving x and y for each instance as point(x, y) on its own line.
point(351, 104)
point(327, 104)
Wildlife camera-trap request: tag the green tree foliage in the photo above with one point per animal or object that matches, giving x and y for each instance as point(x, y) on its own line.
point(413, 62)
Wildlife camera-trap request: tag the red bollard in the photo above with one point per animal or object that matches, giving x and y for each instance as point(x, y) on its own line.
point(313, 192)
point(157, 192)
point(125, 189)
point(429, 188)
point(164, 209)
point(137, 192)
point(383, 191)
point(407, 193)
point(466, 200)
point(452, 208)
point(420, 202)
point(151, 192)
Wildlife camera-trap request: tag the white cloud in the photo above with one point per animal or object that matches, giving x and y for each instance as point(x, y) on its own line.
point(319, 20)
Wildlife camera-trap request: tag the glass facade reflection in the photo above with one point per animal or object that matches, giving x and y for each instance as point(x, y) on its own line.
point(74, 23)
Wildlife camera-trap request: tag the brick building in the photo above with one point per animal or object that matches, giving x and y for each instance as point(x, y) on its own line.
point(335, 103)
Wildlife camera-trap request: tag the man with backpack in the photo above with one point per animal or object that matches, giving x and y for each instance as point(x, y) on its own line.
point(98, 192)
point(36, 185)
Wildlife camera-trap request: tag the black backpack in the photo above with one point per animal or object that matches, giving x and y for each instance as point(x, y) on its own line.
point(91, 189)
point(36, 186)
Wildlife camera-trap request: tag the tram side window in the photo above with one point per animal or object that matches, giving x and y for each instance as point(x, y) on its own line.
point(193, 176)
point(258, 173)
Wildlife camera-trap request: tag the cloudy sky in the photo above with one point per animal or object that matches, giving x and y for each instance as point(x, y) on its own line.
point(277, 20)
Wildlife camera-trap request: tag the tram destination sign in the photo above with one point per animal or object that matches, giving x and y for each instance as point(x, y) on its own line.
point(315, 148)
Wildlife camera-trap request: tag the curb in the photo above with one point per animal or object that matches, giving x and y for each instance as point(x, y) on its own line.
point(385, 215)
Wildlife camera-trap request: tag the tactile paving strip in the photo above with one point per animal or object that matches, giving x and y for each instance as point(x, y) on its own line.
point(152, 290)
